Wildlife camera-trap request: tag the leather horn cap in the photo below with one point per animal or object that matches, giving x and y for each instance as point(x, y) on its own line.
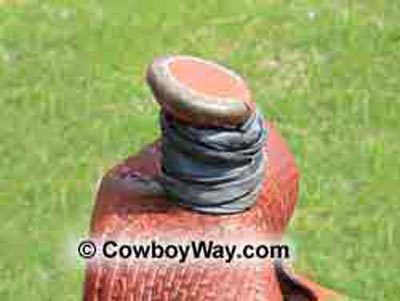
point(200, 92)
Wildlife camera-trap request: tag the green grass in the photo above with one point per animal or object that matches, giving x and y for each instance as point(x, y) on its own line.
point(73, 102)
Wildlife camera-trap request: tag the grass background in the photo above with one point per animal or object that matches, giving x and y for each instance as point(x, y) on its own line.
point(73, 102)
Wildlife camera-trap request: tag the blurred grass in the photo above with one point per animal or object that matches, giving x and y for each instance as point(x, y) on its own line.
point(73, 102)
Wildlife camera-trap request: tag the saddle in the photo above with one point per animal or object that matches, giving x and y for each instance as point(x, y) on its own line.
point(132, 204)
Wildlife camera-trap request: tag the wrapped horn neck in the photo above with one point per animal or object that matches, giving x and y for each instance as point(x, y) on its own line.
point(212, 137)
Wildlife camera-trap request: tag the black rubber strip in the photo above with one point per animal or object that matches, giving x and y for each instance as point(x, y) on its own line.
point(214, 170)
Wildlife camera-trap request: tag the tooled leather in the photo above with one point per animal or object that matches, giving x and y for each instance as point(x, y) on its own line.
point(123, 212)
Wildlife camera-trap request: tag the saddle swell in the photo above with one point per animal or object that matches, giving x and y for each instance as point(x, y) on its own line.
point(139, 211)
point(220, 171)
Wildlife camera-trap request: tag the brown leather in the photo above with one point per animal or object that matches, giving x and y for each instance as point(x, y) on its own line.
point(141, 212)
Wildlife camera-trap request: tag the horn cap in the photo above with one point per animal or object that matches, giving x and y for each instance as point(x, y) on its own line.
point(199, 92)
